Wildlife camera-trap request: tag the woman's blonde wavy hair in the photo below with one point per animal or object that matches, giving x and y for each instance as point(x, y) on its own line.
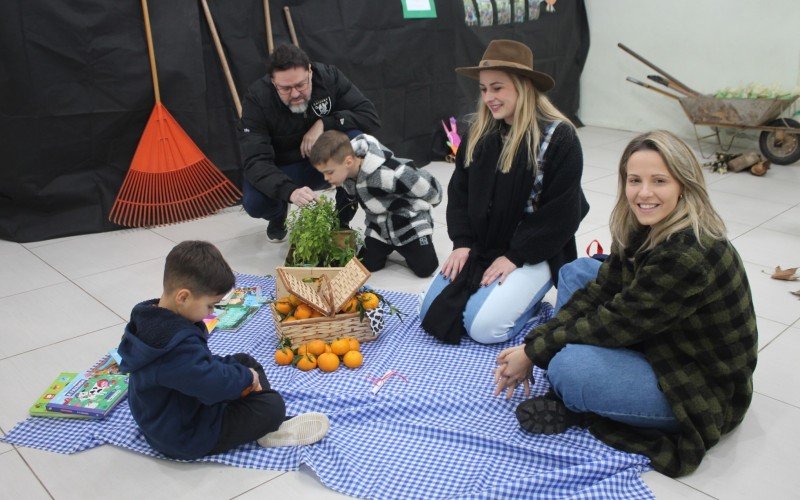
point(694, 207)
point(531, 107)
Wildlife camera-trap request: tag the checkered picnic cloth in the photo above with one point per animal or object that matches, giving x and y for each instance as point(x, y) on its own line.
point(432, 431)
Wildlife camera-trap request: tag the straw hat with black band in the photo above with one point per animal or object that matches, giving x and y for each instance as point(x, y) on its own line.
point(513, 57)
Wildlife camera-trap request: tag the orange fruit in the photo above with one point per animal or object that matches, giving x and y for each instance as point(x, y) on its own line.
point(350, 306)
point(284, 356)
point(353, 359)
point(316, 314)
point(307, 362)
point(368, 300)
point(303, 312)
point(354, 344)
point(328, 348)
point(294, 300)
point(288, 319)
point(316, 347)
point(328, 362)
point(283, 306)
point(302, 350)
point(340, 347)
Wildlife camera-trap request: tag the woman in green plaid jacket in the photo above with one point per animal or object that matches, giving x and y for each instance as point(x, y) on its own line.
point(654, 350)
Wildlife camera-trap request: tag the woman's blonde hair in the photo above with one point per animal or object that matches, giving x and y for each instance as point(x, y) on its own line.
point(694, 207)
point(530, 108)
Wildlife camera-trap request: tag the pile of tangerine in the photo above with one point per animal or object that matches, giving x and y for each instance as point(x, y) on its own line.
point(320, 354)
point(292, 308)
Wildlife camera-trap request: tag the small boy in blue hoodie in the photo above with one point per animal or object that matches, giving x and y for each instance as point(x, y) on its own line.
point(187, 401)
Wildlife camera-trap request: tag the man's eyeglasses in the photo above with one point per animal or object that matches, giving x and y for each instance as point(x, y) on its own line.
point(300, 87)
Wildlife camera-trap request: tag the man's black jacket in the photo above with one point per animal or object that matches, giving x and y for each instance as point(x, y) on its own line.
point(270, 134)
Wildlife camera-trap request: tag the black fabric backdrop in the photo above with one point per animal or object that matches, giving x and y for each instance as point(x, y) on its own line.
point(76, 91)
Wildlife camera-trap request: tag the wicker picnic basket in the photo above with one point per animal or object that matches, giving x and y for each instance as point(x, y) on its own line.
point(326, 290)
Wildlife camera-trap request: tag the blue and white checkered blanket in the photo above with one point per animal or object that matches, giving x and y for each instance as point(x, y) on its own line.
point(435, 432)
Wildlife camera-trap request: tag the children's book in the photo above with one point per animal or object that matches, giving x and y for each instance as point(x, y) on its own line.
point(94, 396)
point(232, 318)
point(237, 306)
point(95, 392)
point(39, 408)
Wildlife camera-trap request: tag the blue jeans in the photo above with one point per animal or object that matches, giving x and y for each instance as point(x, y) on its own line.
point(260, 206)
point(616, 383)
point(496, 313)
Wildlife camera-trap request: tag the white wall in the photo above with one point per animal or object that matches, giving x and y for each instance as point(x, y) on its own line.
point(706, 44)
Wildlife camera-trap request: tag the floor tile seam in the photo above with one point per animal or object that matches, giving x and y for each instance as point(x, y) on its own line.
point(76, 236)
point(30, 468)
point(90, 294)
point(796, 407)
point(281, 473)
point(762, 272)
point(761, 349)
point(66, 280)
point(121, 323)
point(256, 230)
point(84, 276)
point(713, 187)
point(595, 191)
point(709, 495)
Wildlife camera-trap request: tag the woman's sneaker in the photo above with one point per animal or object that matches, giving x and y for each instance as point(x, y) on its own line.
point(303, 429)
point(548, 415)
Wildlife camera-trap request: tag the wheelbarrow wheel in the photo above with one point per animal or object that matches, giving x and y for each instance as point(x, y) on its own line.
point(781, 147)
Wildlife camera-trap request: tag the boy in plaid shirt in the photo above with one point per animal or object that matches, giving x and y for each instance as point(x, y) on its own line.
point(396, 197)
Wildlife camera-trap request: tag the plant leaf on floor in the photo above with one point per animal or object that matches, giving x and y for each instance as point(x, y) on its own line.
point(785, 274)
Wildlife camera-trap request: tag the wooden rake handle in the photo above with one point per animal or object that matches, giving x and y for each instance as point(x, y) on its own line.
point(270, 42)
point(291, 26)
point(654, 89)
point(150, 50)
point(222, 59)
point(657, 69)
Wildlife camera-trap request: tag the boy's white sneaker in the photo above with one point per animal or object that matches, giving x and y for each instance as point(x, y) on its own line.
point(303, 429)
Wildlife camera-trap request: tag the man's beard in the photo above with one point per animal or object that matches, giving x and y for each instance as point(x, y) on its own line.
point(298, 108)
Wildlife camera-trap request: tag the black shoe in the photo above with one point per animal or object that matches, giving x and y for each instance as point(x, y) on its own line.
point(276, 230)
point(548, 415)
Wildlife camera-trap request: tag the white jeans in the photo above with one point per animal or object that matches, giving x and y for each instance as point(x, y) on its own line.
point(496, 313)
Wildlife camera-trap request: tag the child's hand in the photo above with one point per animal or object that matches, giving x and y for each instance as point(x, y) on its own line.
point(256, 385)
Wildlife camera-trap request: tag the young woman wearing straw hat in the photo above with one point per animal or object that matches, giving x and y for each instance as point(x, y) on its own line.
point(660, 340)
point(514, 204)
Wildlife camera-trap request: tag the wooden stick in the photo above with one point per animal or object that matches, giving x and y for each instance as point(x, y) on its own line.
point(291, 26)
point(647, 86)
point(670, 85)
point(223, 60)
point(656, 68)
point(150, 50)
point(270, 42)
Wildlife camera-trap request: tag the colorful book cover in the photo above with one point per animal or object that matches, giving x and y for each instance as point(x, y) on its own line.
point(94, 396)
point(233, 317)
point(39, 408)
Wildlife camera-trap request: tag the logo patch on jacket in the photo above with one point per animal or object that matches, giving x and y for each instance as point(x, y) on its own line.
point(321, 107)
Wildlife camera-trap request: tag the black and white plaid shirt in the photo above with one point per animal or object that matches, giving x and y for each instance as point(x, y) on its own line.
point(533, 200)
point(396, 196)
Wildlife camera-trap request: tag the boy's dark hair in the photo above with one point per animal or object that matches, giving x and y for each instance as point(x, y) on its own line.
point(199, 267)
point(331, 145)
point(285, 57)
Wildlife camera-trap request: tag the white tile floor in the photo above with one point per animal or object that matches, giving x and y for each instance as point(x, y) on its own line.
point(65, 302)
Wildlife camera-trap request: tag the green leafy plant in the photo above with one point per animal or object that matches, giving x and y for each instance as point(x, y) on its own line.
point(314, 236)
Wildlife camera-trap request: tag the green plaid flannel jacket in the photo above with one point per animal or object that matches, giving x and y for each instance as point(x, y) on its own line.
point(688, 308)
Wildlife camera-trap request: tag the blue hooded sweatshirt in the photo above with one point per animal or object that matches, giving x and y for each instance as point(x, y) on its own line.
point(178, 390)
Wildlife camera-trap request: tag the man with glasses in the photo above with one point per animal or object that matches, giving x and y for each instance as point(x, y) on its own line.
point(283, 114)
